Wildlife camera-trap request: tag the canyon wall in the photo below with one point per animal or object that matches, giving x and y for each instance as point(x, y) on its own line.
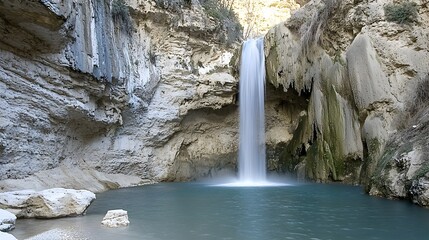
point(361, 74)
point(103, 94)
point(95, 100)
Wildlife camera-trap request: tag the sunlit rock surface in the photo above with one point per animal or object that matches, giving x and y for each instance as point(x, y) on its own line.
point(117, 107)
point(49, 203)
point(7, 220)
point(116, 218)
point(259, 16)
point(359, 73)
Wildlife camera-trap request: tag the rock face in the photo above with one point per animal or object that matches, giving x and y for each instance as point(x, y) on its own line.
point(50, 203)
point(73, 177)
point(7, 221)
point(358, 73)
point(259, 16)
point(116, 218)
point(116, 104)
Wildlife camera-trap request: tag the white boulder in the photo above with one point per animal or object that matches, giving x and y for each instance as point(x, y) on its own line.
point(7, 221)
point(7, 236)
point(50, 203)
point(116, 218)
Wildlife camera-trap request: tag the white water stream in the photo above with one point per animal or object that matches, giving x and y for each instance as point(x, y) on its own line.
point(251, 156)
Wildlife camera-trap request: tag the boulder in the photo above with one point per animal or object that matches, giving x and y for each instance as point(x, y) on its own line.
point(7, 221)
point(50, 203)
point(116, 218)
point(6, 236)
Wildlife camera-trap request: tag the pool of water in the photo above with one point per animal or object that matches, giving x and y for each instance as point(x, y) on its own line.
point(179, 211)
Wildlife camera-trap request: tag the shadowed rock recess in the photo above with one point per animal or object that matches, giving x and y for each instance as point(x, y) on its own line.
point(104, 94)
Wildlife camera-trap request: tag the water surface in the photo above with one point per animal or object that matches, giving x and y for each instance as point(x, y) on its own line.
point(185, 211)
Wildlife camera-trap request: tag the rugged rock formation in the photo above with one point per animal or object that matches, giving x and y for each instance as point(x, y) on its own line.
point(117, 104)
point(357, 71)
point(73, 177)
point(50, 203)
point(116, 218)
point(7, 220)
point(259, 16)
point(99, 95)
point(56, 89)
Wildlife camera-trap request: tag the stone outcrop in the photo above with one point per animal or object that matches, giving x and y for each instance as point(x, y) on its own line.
point(73, 177)
point(7, 221)
point(118, 106)
point(49, 203)
point(259, 16)
point(116, 218)
point(402, 170)
point(357, 72)
point(50, 97)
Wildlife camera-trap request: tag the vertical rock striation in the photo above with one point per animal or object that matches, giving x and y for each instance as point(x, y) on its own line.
point(357, 72)
point(94, 100)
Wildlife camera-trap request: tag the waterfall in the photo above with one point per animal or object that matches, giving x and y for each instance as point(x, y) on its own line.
point(251, 156)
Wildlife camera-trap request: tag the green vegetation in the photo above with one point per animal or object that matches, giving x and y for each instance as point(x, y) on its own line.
point(405, 12)
point(318, 23)
point(421, 172)
point(173, 5)
point(325, 156)
point(121, 15)
point(222, 12)
point(295, 151)
point(393, 150)
point(424, 168)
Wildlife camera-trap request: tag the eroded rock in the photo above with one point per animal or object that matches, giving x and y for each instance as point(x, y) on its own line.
point(116, 218)
point(7, 220)
point(110, 103)
point(50, 203)
point(356, 70)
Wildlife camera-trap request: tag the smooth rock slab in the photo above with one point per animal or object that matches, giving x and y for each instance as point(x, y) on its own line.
point(7, 221)
point(116, 218)
point(50, 203)
point(7, 236)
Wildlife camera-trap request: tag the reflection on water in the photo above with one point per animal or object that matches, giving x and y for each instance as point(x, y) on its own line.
point(196, 211)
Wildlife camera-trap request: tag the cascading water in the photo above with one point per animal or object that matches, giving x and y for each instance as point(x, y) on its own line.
point(251, 154)
point(252, 169)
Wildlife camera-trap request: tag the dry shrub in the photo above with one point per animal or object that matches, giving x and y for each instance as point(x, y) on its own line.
point(121, 15)
point(420, 100)
point(405, 12)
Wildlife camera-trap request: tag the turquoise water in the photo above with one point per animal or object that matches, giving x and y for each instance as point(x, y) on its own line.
point(182, 211)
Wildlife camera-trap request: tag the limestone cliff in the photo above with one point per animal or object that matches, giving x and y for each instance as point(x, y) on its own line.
point(101, 94)
point(259, 16)
point(357, 71)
